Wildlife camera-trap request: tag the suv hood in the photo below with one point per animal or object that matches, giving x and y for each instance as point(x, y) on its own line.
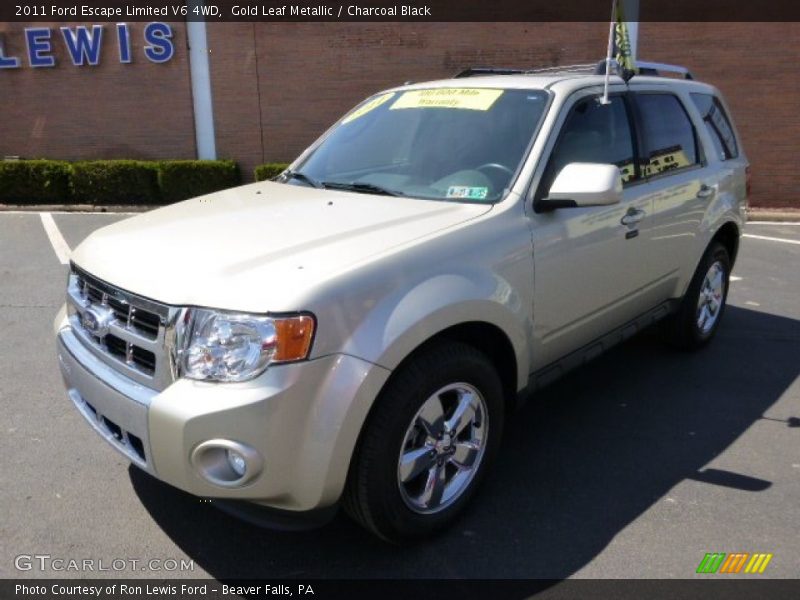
point(259, 247)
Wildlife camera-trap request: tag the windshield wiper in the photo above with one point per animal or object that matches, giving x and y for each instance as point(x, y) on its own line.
point(302, 177)
point(364, 188)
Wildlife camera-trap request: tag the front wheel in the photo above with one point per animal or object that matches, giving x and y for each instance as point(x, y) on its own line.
point(427, 444)
point(701, 309)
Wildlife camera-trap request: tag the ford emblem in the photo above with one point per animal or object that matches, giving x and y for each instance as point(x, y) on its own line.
point(97, 319)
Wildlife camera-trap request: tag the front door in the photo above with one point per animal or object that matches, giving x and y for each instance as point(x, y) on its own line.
point(591, 264)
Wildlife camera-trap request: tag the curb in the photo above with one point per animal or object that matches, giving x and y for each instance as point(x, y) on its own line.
point(778, 215)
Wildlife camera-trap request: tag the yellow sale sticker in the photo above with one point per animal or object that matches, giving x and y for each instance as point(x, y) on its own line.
point(371, 105)
point(470, 99)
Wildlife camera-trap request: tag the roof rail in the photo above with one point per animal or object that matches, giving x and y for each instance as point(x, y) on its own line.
point(584, 67)
point(475, 71)
point(644, 68)
point(599, 68)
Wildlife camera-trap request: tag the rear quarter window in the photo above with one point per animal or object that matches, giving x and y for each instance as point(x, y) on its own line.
point(717, 124)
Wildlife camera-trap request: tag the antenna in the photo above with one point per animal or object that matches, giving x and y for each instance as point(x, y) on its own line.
point(611, 27)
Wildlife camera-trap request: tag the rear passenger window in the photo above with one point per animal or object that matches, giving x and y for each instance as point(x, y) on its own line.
point(669, 137)
point(717, 124)
point(594, 133)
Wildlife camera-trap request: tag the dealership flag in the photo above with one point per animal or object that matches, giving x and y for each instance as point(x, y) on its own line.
point(623, 51)
point(619, 47)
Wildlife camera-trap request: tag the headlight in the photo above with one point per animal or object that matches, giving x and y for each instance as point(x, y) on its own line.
point(237, 347)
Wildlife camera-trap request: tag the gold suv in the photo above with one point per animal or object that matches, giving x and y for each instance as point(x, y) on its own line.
point(357, 331)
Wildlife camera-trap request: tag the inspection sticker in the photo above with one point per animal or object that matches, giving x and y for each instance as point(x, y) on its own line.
point(470, 99)
point(470, 193)
point(371, 105)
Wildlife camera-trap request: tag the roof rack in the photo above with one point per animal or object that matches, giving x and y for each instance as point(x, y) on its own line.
point(599, 68)
point(654, 68)
point(476, 71)
point(645, 68)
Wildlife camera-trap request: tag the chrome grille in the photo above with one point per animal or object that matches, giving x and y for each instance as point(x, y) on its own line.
point(134, 338)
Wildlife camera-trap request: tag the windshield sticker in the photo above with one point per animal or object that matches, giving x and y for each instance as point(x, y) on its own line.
point(469, 99)
point(467, 192)
point(371, 105)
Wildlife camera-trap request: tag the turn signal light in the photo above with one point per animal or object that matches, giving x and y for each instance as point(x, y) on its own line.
point(294, 337)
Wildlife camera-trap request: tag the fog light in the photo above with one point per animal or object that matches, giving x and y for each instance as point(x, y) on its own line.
point(237, 462)
point(226, 463)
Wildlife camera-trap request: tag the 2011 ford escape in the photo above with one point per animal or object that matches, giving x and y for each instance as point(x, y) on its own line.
point(360, 328)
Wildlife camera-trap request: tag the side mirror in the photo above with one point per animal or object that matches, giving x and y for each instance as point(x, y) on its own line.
point(584, 184)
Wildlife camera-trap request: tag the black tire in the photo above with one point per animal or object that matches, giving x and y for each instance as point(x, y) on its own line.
point(683, 329)
point(373, 495)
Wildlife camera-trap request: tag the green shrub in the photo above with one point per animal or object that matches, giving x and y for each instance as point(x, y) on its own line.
point(34, 182)
point(269, 170)
point(107, 182)
point(182, 179)
point(115, 182)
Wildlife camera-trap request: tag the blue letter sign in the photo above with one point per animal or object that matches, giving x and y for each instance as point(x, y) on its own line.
point(83, 46)
point(160, 48)
point(124, 39)
point(7, 62)
point(39, 46)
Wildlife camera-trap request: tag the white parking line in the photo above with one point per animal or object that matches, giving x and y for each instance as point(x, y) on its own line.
point(735, 278)
point(57, 241)
point(770, 239)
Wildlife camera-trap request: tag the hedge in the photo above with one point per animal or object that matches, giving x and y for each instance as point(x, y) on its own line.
point(269, 170)
point(107, 182)
point(115, 182)
point(182, 179)
point(34, 182)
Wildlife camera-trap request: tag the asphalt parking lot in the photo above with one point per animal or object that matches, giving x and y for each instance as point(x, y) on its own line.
point(633, 467)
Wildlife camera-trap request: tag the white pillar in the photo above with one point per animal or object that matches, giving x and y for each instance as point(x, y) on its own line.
point(200, 75)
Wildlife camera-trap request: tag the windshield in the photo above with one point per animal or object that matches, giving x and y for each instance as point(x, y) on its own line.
point(459, 144)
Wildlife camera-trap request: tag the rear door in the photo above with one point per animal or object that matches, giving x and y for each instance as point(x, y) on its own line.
point(678, 183)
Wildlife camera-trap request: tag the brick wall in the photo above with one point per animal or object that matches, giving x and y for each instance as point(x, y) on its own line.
point(308, 74)
point(755, 65)
point(112, 110)
point(277, 86)
point(234, 75)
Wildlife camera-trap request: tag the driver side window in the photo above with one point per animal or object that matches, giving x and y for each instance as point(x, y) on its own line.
point(594, 133)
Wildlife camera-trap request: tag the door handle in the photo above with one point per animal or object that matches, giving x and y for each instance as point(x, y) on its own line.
point(633, 216)
point(705, 191)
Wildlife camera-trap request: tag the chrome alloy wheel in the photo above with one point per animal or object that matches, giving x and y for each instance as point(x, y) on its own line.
point(709, 304)
point(443, 448)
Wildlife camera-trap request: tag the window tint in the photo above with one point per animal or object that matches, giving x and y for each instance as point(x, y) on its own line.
point(389, 142)
point(668, 133)
point(593, 133)
point(717, 124)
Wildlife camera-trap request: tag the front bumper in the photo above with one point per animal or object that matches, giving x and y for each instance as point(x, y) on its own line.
point(303, 419)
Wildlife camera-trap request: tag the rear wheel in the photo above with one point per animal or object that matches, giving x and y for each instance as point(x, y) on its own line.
point(427, 444)
point(701, 309)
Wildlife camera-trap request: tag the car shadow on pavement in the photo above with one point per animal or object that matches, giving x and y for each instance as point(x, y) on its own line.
point(582, 460)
